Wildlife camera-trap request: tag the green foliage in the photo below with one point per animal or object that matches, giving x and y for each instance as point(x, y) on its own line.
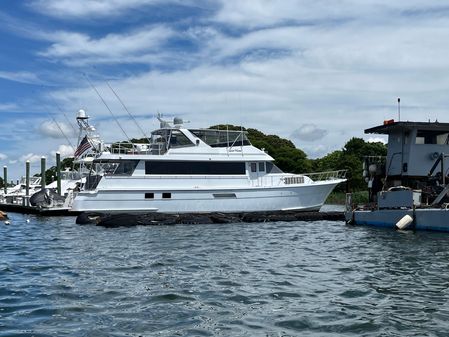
point(66, 163)
point(339, 197)
point(287, 157)
point(351, 158)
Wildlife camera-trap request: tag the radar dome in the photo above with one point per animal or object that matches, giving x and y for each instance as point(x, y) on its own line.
point(82, 114)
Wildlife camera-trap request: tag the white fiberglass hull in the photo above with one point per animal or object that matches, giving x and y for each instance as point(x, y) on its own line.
point(308, 197)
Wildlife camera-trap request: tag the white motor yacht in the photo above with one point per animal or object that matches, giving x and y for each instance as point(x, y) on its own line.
point(185, 170)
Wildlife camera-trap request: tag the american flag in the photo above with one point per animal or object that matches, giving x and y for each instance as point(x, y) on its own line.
point(83, 147)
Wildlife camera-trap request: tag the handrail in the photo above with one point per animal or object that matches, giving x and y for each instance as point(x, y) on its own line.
point(322, 176)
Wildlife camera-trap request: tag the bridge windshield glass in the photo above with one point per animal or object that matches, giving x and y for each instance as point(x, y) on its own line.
point(221, 138)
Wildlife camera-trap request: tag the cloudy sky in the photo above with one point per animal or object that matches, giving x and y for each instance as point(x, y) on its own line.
point(317, 72)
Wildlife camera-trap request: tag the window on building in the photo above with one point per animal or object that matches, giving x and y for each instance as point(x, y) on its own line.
point(432, 137)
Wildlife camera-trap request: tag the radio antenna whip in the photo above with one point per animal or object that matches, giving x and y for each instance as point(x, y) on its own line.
point(61, 111)
point(62, 132)
point(129, 113)
point(107, 106)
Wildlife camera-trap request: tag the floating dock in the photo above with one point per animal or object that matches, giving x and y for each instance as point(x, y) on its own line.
point(56, 211)
point(146, 219)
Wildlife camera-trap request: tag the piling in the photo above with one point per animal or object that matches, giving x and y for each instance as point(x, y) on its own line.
point(27, 182)
point(43, 172)
point(5, 179)
point(58, 171)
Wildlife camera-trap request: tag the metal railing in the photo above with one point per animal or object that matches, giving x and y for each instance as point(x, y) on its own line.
point(138, 148)
point(315, 176)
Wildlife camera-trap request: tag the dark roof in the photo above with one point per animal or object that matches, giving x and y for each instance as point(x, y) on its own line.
point(399, 126)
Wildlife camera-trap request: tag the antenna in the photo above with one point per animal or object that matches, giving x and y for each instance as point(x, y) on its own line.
point(399, 109)
point(62, 132)
point(61, 111)
point(129, 113)
point(107, 106)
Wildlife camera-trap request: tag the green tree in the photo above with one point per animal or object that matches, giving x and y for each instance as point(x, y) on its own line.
point(66, 163)
point(287, 157)
point(353, 153)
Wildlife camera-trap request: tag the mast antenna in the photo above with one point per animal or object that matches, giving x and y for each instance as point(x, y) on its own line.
point(62, 132)
point(107, 106)
point(399, 109)
point(129, 113)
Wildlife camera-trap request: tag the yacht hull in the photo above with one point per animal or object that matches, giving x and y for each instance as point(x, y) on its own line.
point(251, 199)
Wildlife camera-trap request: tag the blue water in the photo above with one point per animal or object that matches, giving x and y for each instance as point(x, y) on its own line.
point(269, 279)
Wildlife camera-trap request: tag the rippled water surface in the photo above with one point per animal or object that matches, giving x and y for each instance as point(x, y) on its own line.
point(269, 279)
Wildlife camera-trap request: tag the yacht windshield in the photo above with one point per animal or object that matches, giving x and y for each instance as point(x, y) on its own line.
point(122, 167)
point(221, 138)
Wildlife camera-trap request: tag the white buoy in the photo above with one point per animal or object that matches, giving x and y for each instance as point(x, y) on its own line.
point(27, 220)
point(404, 222)
point(7, 222)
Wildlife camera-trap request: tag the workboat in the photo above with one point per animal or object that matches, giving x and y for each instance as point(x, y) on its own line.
point(409, 187)
point(185, 170)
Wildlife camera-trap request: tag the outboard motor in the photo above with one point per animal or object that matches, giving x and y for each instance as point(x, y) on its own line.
point(46, 198)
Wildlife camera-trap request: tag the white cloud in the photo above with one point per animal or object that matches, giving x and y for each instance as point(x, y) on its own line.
point(8, 107)
point(64, 150)
point(266, 13)
point(3, 156)
point(382, 140)
point(20, 76)
point(56, 129)
point(33, 158)
point(309, 132)
point(78, 48)
point(92, 8)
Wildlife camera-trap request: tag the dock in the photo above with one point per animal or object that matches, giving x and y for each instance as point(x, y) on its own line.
point(56, 211)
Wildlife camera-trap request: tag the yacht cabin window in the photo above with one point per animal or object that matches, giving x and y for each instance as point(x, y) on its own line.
point(262, 166)
point(178, 139)
point(222, 138)
point(120, 167)
point(253, 167)
point(162, 167)
point(271, 168)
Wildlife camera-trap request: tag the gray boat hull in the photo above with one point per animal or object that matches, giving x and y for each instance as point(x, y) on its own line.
point(431, 219)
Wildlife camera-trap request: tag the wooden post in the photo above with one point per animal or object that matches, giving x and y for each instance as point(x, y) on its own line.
point(5, 179)
point(43, 172)
point(58, 171)
point(27, 178)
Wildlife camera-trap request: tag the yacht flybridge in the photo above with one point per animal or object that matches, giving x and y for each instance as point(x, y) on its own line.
point(183, 170)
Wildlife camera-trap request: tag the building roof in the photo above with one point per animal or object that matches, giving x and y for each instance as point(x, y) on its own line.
point(390, 127)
